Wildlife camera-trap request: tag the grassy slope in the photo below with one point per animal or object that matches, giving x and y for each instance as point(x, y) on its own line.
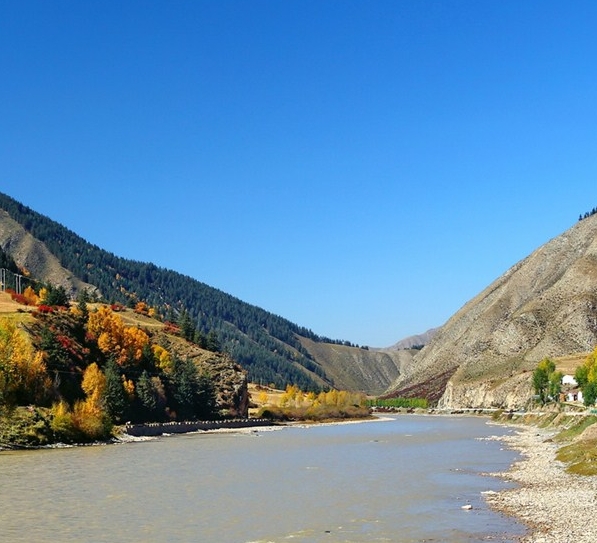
point(352, 368)
point(568, 364)
point(9, 309)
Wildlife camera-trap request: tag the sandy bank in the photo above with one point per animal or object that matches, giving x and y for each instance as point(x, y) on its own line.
point(557, 506)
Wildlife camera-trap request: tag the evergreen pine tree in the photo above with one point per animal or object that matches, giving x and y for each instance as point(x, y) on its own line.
point(146, 395)
point(185, 382)
point(212, 343)
point(186, 325)
point(115, 396)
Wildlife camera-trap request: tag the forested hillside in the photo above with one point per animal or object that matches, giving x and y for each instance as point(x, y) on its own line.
point(264, 343)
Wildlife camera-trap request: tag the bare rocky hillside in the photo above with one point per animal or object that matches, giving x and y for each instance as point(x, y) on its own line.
point(32, 255)
point(544, 306)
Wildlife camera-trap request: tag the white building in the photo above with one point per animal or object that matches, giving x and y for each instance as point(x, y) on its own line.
point(569, 380)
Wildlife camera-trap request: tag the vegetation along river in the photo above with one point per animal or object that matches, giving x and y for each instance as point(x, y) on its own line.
point(399, 480)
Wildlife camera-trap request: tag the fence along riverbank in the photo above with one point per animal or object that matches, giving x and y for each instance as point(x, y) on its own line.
point(160, 428)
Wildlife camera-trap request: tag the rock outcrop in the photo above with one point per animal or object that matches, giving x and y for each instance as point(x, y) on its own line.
point(544, 306)
point(229, 378)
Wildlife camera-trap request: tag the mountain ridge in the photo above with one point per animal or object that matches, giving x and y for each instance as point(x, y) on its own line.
point(416, 341)
point(270, 347)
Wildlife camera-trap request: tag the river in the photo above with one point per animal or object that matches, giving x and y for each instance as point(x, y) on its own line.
point(404, 480)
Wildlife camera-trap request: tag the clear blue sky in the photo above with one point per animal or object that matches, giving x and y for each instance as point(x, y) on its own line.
point(362, 168)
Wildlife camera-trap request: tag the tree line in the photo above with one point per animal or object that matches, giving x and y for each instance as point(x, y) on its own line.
point(587, 214)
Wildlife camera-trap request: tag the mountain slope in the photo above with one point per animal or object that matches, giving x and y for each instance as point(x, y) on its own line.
point(270, 347)
point(370, 371)
point(544, 306)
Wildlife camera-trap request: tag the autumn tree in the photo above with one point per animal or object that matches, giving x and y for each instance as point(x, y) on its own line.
point(125, 343)
point(90, 415)
point(263, 397)
point(142, 308)
point(30, 296)
point(163, 358)
point(94, 384)
point(23, 376)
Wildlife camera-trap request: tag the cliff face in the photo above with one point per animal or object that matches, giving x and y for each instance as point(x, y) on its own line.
point(544, 306)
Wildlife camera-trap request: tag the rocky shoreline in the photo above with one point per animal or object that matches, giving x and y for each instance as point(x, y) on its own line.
point(558, 507)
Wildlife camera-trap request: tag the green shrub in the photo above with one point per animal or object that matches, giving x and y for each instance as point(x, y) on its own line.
point(407, 403)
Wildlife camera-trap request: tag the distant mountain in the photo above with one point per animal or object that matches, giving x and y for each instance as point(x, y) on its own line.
point(544, 306)
point(271, 348)
point(369, 370)
point(414, 342)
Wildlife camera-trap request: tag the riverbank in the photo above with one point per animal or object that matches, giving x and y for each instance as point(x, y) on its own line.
point(558, 507)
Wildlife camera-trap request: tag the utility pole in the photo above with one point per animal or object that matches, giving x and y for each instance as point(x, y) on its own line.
point(18, 285)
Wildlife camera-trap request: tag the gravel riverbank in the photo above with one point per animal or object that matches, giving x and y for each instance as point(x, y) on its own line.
point(558, 507)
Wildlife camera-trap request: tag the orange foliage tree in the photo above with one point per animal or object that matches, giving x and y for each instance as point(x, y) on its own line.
point(124, 343)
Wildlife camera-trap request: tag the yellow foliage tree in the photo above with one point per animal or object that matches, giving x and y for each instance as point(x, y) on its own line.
point(90, 415)
point(43, 295)
point(30, 297)
point(91, 420)
point(591, 365)
point(331, 397)
point(163, 358)
point(62, 422)
point(23, 376)
point(129, 388)
point(134, 342)
point(94, 384)
point(107, 328)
